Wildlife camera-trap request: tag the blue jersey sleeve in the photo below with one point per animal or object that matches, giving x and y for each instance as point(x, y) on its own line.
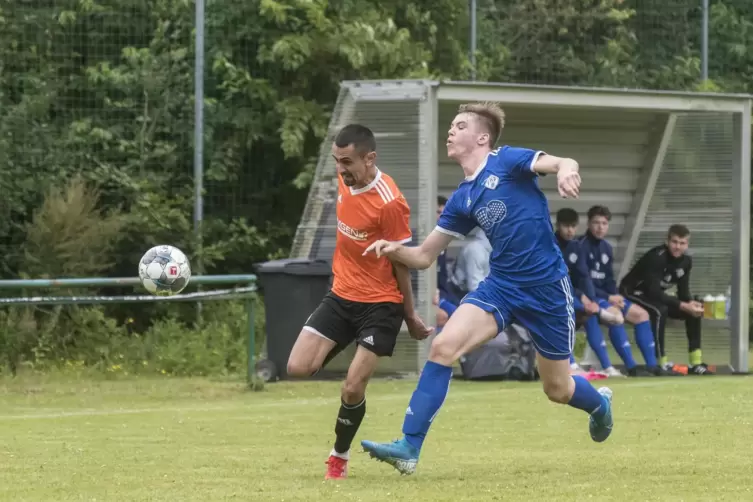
point(520, 161)
point(454, 220)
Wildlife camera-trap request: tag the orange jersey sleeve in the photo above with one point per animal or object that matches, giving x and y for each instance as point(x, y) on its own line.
point(395, 221)
point(364, 215)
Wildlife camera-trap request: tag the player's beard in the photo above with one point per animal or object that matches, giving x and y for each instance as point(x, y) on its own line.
point(348, 179)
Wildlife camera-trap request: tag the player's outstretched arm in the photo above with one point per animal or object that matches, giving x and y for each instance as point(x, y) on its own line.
point(567, 171)
point(418, 257)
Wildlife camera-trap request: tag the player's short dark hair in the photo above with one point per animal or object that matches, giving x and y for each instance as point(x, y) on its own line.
point(359, 136)
point(567, 216)
point(678, 230)
point(595, 211)
point(441, 200)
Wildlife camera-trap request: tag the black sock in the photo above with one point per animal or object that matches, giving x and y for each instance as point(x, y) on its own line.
point(348, 421)
point(693, 330)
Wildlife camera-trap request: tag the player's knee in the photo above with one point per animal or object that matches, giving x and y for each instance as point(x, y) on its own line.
point(443, 351)
point(300, 368)
point(557, 389)
point(353, 390)
point(638, 314)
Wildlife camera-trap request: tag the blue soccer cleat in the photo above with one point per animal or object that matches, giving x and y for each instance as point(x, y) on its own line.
point(400, 454)
point(600, 428)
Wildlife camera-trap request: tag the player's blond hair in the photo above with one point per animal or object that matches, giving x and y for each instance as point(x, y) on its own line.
point(491, 116)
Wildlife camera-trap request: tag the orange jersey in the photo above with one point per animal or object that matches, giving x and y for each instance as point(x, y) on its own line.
point(364, 215)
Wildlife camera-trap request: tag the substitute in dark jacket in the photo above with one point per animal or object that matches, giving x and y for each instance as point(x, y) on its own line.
point(594, 270)
point(587, 313)
point(647, 283)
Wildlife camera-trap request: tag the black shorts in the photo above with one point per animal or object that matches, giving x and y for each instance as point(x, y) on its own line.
point(374, 326)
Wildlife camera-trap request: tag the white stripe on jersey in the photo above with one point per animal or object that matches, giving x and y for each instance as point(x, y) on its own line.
point(384, 191)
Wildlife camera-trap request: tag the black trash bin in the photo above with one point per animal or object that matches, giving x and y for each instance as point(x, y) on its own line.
point(292, 289)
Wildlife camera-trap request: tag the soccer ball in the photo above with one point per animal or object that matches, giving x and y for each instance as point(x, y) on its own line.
point(164, 270)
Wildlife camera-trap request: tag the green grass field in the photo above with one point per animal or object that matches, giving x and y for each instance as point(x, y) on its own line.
point(191, 439)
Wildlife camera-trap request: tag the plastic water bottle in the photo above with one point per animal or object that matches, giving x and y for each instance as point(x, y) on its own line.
point(708, 307)
point(719, 307)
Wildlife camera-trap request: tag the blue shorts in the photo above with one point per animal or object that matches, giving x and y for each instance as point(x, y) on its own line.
point(604, 304)
point(546, 311)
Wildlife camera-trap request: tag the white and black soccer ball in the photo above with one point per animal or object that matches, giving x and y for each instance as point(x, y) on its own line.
point(164, 270)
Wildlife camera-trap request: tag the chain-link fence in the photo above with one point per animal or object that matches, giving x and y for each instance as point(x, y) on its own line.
point(104, 90)
point(656, 44)
point(107, 88)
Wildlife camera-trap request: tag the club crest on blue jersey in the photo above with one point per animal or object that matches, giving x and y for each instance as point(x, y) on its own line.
point(491, 214)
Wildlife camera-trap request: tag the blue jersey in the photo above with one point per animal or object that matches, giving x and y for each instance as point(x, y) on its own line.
point(504, 199)
point(594, 268)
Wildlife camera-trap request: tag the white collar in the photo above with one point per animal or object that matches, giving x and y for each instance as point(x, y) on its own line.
point(356, 191)
point(478, 169)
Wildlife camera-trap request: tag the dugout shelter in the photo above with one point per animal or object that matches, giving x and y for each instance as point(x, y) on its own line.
point(653, 157)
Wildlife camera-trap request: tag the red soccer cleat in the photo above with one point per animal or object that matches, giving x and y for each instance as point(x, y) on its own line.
point(337, 468)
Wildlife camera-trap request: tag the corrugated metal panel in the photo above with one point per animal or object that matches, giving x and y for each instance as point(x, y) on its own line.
point(562, 118)
point(594, 178)
point(695, 188)
point(610, 148)
point(323, 188)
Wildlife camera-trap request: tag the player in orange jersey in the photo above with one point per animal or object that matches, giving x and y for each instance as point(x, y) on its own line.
point(370, 296)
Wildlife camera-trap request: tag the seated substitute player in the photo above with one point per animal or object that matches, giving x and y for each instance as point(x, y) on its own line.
point(566, 226)
point(609, 314)
point(370, 296)
point(660, 269)
point(596, 278)
point(527, 283)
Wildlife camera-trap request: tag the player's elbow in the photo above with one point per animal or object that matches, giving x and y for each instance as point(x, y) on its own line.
point(418, 260)
point(424, 259)
point(423, 263)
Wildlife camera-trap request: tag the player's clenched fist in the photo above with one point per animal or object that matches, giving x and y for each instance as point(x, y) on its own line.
point(417, 329)
point(568, 183)
point(382, 247)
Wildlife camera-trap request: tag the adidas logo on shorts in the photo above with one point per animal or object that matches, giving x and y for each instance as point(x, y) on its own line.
point(369, 339)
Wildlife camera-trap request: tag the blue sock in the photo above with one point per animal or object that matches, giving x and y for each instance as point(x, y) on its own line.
point(619, 338)
point(425, 403)
point(586, 398)
point(644, 337)
point(596, 341)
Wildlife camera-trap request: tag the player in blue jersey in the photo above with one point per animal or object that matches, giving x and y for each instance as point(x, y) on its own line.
point(586, 311)
point(528, 281)
point(596, 278)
